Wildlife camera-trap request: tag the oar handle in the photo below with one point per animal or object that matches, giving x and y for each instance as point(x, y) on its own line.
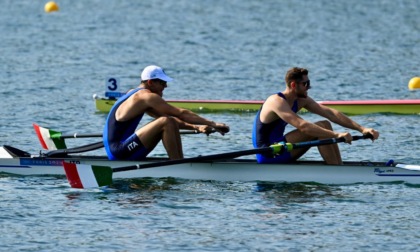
point(365, 136)
point(188, 132)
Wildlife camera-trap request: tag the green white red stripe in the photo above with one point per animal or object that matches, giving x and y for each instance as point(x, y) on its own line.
point(87, 176)
point(49, 139)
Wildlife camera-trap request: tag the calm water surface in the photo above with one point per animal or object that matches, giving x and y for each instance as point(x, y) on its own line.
point(51, 64)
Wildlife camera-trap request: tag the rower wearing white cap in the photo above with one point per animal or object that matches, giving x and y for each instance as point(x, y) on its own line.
point(121, 139)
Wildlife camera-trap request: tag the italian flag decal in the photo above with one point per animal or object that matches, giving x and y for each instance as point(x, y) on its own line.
point(50, 139)
point(87, 176)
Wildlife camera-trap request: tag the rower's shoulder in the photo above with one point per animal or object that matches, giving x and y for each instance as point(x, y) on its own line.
point(144, 95)
point(274, 98)
point(142, 92)
point(274, 102)
point(305, 101)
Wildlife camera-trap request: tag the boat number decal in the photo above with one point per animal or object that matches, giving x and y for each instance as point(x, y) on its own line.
point(112, 84)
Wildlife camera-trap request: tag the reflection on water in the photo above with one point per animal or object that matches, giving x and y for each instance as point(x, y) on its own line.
point(286, 193)
point(144, 184)
point(143, 191)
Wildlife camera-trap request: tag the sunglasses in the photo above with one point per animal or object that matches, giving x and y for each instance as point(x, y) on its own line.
point(306, 84)
point(161, 82)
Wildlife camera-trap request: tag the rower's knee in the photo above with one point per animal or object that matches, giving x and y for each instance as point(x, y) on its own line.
point(168, 123)
point(324, 124)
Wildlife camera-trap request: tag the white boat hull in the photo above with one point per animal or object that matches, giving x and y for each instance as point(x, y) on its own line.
point(233, 170)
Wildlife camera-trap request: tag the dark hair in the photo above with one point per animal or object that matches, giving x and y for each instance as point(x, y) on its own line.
point(295, 74)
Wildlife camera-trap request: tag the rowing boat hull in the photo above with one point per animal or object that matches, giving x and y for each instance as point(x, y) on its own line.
point(104, 105)
point(360, 107)
point(233, 170)
point(356, 107)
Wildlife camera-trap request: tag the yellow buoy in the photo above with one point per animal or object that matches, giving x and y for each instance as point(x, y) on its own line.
point(51, 6)
point(414, 83)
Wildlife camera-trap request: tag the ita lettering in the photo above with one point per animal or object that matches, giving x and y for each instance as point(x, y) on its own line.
point(132, 146)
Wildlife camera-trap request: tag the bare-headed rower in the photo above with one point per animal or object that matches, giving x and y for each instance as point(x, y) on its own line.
point(280, 109)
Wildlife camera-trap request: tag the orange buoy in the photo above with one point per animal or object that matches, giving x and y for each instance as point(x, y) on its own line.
point(51, 6)
point(414, 83)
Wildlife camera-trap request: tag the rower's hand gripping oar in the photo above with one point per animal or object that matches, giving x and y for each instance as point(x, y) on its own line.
point(89, 176)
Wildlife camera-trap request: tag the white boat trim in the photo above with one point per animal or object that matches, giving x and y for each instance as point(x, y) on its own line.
point(409, 167)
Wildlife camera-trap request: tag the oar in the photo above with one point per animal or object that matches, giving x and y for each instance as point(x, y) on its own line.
point(90, 176)
point(54, 140)
point(49, 139)
point(79, 149)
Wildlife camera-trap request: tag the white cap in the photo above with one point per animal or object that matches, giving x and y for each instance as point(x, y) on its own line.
point(154, 72)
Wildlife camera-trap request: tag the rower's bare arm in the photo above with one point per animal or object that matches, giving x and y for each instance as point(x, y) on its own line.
point(332, 114)
point(283, 111)
point(339, 118)
point(187, 118)
point(308, 128)
point(191, 117)
point(199, 128)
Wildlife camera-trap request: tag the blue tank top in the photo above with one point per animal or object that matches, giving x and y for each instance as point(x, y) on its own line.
point(115, 131)
point(265, 134)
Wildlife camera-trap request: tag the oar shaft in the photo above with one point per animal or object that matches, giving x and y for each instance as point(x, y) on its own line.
point(273, 149)
point(292, 146)
point(228, 155)
point(79, 149)
point(77, 135)
point(92, 146)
